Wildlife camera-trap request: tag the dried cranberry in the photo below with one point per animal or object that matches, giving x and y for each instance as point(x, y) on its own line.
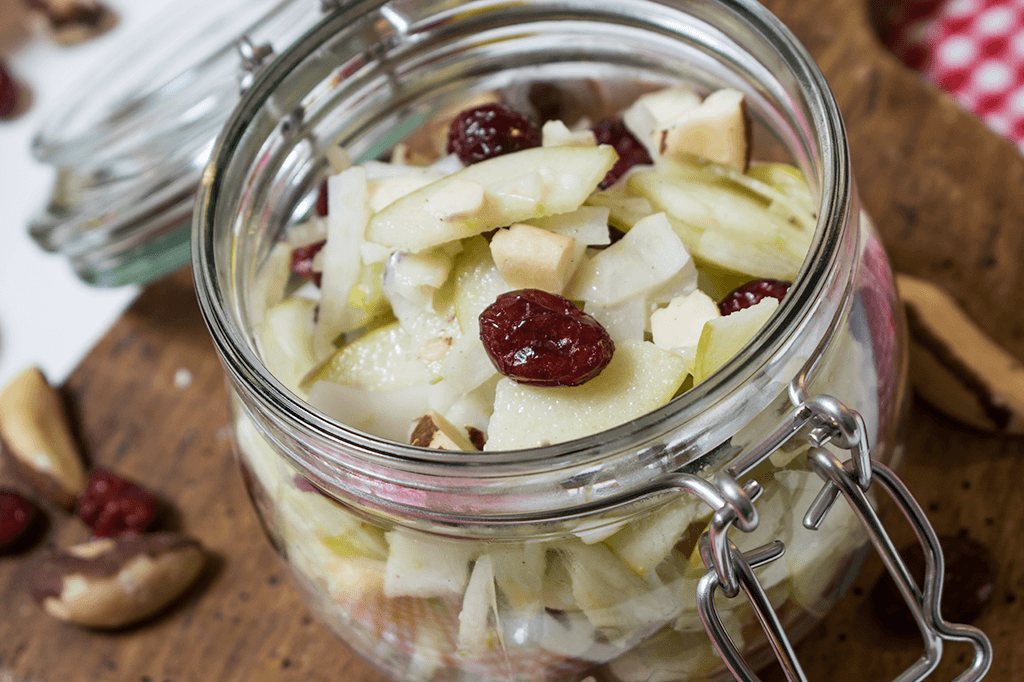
point(112, 506)
point(751, 293)
point(490, 130)
point(967, 584)
point(321, 199)
point(8, 93)
point(302, 259)
point(541, 339)
point(17, 515)
point(631, 152)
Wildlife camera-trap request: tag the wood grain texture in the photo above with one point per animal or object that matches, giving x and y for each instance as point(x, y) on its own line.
point(947, 197)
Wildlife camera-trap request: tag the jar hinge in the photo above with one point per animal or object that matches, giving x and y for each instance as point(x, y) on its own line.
point(731, 570)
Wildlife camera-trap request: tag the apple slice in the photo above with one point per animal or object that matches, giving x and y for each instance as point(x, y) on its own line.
point(417, 287)
point(516, 187)
point(646, 542)
point(798, 212)
point(286, 338)
point(421, 565)
point(625, 208)
point(678, 326)
point(555, 133)
point(312, 517)
point(723, 337)
point(647, 257)
point(784, 177)
point(670, 656)
point(479, 627)
point(725, 226)
point(348, 212)
point(385, 414)
point(385, 190)
point(477, 283)
point(382, 360)
point(268, 287)
point(640, 377)
point(620, 604)
point(518, 574)
point(778, 257)
point(624, 320)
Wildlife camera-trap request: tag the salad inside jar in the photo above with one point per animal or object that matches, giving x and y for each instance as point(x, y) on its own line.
point(502, 282)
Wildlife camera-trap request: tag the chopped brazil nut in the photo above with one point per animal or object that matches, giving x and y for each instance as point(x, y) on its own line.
point(432, 430)
point(541, 339)
point(955, 367)
point(112, 583)
point(35, 433)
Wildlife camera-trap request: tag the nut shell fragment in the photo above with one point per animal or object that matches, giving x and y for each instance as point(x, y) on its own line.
point(111, 583)
point(956, 367)
point(35, 433)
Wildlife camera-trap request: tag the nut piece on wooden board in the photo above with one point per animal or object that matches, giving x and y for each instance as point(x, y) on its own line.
point(36, 438)
point(956, 367)
point(69, 22)
point(111, 583)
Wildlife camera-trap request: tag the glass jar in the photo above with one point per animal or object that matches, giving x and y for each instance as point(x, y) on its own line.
point(130, 142)
point(607, 551)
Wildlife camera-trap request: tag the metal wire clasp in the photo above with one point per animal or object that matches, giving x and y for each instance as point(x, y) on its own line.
point(731, 570)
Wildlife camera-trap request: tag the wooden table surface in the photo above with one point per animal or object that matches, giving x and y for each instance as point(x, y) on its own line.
point(948, 197)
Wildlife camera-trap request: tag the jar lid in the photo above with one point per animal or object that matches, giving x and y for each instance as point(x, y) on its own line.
point(130, 144)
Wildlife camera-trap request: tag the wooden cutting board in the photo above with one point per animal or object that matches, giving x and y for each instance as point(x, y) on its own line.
point(150, 402)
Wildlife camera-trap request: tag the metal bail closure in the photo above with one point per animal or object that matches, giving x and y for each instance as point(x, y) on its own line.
point(731, 570)
point(254, 58)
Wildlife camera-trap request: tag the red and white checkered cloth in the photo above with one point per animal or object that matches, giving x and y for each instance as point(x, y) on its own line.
point(972, 49)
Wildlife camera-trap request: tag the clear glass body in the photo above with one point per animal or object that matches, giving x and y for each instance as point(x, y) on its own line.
point(129, 143)
point(542, 564)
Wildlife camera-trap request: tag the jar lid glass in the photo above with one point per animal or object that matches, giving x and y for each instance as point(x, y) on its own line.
point(130, 143)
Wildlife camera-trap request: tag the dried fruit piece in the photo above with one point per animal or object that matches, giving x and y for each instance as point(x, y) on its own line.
point(112, 506)
point(36, 434)
point(752, 292)
point(17, 515)
point(955, 366)
point(541, 339)
point(302, 259)
point(8, 93)
point(321, 199)
point(490, 130)
point(967, 584)
point(631, 152)
point(111, 583)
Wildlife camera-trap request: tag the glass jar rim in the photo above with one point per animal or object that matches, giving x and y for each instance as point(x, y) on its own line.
point(242, 363)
